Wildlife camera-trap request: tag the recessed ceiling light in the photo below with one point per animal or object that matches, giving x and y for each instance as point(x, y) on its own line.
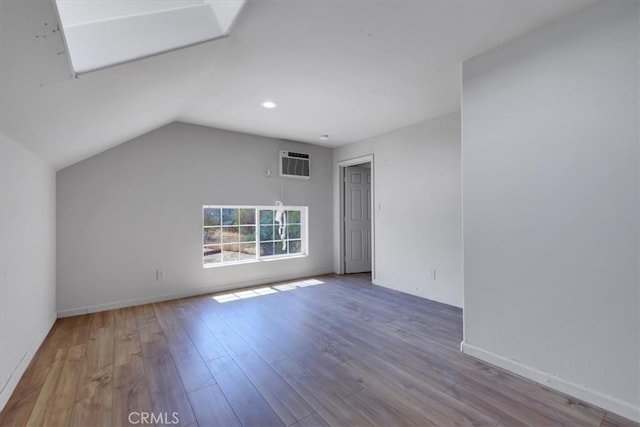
point(324, 137)
point(269, 104)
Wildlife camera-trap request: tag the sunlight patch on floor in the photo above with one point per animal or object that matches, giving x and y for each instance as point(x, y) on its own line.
point(267, 290)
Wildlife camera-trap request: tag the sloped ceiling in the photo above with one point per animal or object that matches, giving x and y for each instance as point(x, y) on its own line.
point(349, 68)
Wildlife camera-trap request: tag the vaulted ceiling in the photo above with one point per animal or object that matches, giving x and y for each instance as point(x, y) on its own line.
point(347, 68)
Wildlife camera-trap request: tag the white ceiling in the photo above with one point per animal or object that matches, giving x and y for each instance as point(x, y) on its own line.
point(348, 68)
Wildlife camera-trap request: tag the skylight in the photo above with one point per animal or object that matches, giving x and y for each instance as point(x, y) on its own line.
point(103, 33)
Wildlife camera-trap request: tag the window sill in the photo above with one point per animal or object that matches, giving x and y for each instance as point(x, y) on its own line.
point(253, 261)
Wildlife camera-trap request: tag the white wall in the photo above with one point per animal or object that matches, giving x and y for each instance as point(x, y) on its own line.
point(551, 196)
point(27, 259)
point(137, 208)
point(418, 223)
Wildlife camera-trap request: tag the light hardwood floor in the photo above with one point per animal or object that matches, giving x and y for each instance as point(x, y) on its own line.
point(333, 350)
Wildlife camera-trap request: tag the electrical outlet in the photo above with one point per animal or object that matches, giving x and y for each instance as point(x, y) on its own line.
point(160, 274)
point(432, 274)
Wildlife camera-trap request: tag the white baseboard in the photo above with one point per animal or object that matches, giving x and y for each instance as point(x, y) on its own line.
point(14, 378)
point(417, 294)
point(193, 292)
point(579, 391)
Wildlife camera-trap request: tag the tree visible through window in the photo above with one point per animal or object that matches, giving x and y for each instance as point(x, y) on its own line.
point(235, 234)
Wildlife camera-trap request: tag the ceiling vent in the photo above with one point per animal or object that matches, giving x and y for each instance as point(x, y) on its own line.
point(294, 165)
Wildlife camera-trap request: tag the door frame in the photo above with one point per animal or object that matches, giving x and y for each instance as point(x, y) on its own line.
point(342, 166)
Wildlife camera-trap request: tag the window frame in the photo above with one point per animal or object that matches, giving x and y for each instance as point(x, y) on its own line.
point(304, 234)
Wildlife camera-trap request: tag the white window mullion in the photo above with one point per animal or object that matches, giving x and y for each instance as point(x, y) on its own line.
point(275, 239)
point(257, 217)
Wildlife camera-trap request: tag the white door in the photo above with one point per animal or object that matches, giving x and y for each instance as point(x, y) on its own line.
point(357, 219)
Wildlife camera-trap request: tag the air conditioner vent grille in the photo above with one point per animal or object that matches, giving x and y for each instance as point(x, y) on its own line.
point(294, 165)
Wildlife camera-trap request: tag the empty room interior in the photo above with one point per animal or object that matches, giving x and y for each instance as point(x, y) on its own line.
point(319, 213)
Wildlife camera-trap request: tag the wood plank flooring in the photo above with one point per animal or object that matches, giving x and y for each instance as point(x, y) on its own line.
point(331, 350)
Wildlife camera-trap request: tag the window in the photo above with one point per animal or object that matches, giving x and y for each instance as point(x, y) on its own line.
point(239, 234)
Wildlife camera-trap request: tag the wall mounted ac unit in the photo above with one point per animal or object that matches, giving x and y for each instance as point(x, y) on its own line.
point(294, 165)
